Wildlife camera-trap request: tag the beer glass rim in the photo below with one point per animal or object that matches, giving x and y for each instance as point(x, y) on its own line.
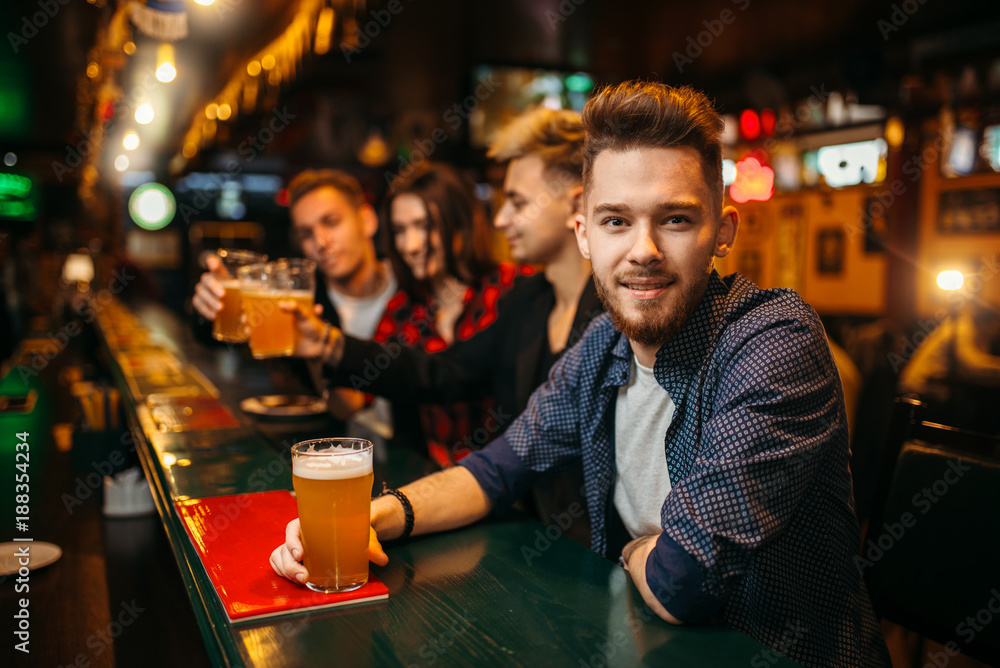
point(248, 268)
point(240, 255)
point(300, 262)
point(301, 448)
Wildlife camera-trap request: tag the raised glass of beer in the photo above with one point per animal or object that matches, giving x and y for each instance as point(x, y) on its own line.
point(264, 287)
point(228, 325)
point(333, 485)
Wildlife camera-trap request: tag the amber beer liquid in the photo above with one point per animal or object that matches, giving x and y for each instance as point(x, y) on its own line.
point(272, 331)
point(334, 502)
point(227, 325)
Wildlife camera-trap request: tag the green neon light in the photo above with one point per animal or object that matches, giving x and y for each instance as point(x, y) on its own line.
point(152, 206)
point(14, 186)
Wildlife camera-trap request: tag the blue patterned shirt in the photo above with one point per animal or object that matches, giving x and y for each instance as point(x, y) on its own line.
point(758, 527)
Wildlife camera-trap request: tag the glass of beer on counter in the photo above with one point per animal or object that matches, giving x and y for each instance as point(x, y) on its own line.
point(333, 485)
point(228, 325)
point(264, 287)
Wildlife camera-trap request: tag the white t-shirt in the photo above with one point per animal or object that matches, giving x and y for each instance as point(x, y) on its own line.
point(642, 414)
point(359, 316)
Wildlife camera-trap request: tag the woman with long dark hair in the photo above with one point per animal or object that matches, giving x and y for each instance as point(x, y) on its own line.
point(435, 233)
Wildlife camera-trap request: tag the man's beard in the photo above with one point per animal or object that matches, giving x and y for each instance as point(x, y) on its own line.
point(653, 327)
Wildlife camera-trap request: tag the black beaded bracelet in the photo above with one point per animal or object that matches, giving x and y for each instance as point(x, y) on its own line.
point(407, 508)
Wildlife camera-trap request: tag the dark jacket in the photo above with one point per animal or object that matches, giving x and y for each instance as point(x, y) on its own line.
point(507, 361)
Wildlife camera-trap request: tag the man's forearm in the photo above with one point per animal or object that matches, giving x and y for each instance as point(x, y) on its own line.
point(444, 500)
point(636, 553)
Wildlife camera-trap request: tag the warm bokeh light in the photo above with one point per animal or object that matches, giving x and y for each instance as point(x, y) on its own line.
point(144, 114)
point(190, 150)
point(130, 141)
point(129, 48)
point(166, 73)
point(121, 163)
point(754, 181)
point(768, 121)
point(204, 3)
point(225, 111)
point(212, 111)
point(749, 125)
point(894, 132)
point(93, 69)
point(267, 62)
point(950, 280)
point(165, 70)
point(253, 68)
point(324, 31)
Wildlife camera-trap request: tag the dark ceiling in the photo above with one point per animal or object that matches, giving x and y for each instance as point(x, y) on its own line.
point(770, 51)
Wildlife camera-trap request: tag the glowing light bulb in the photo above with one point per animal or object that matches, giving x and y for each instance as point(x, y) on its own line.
point(144, 114)
point(950, 279)
point(166, 73)
point(165, 70)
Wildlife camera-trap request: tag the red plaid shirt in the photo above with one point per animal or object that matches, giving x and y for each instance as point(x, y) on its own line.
point(450, 430)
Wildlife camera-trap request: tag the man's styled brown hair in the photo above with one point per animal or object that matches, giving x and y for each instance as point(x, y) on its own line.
point(556, 136)
point(643, 114)
point(312, 179)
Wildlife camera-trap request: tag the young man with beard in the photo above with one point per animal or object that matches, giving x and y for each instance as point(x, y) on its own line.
point(707, 413)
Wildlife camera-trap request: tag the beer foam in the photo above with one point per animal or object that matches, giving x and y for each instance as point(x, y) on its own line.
point(338, 467)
